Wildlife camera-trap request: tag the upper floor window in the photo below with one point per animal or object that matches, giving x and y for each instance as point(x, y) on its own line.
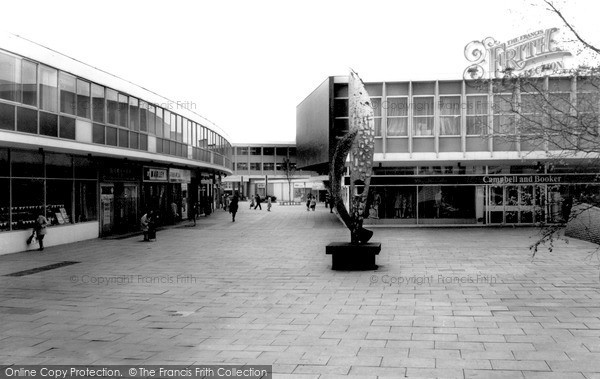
point(98, 103)
point(10, 77)
point(67, 93)
point(48, 88)
point(83, 98)
point(477, 115)
point(450, 115)
point(504, 114)
point(397, 116)
point(255, 151)
point(423, 116)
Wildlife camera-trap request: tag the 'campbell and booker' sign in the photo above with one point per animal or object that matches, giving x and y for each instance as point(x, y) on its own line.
point(521, 179)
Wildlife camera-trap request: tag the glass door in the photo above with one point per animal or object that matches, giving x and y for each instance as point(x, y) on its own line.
point(107, 209)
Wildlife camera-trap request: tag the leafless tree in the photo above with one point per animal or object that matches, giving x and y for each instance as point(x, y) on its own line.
point(289, 170)
point(558, 115)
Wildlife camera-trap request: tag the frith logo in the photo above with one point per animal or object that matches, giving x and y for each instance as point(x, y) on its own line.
point(534, 53)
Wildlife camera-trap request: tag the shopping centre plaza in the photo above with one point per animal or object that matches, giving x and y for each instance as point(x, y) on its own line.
point(95, 152)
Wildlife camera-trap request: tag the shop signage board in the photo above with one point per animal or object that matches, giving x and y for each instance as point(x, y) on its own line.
point(152, 174)
point(179, 176)
point(517, 179)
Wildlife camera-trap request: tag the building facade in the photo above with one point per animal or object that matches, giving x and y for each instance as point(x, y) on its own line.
point(94, 152)
point(261, 169)
point(447, 154)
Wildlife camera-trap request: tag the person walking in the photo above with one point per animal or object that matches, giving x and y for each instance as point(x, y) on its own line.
point(251, 202)
point(308, 197)
point(144, 221)
point(233, 206)
point(40, 230)
point(257, 202)
point(269, 203)
point(194, 213)
point(313, 203)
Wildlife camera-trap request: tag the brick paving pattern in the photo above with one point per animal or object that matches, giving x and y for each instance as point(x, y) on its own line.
point(445, 302)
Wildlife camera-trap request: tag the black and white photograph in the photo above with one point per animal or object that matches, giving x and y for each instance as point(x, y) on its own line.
point(306, 189)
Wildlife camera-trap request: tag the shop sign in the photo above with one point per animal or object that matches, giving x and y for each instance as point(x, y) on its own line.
point(260, 185)
point(119, 173)
point(534, 53)
point(521, 179)
point(299, 185)
point(179, 176)
point(155, 174)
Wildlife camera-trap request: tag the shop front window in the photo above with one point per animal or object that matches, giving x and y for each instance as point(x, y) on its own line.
point(27, 202)
point(4, 203)
point(85, 201)
point(447, 202)
point(397, 203)
point(58, 201)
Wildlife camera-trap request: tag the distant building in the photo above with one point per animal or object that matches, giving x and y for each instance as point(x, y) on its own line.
point(260, 169)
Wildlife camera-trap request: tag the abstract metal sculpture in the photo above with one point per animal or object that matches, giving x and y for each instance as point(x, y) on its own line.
point(359, 142)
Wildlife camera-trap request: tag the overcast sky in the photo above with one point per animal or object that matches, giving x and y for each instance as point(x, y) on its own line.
point(245, 65)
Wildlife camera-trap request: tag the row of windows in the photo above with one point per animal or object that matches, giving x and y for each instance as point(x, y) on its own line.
point(478, 111)
point(254, 166)
point(57, 92)
point(282, 151)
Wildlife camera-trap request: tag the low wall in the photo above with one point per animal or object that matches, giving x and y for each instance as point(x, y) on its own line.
point(15, 241)
point(586, 224)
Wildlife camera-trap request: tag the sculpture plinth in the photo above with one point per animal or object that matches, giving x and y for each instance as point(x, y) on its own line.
point(352, 257)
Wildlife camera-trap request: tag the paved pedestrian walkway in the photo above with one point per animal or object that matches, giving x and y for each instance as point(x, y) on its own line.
point(445, 302)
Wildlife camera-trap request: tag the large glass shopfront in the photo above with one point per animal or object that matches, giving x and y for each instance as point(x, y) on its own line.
point(478, 199)
point(61, 187)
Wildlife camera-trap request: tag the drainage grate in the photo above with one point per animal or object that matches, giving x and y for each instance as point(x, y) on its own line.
point(43, 268)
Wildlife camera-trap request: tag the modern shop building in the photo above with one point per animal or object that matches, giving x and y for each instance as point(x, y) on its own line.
point(260, 169)
point(93, 152)
point(444, 155)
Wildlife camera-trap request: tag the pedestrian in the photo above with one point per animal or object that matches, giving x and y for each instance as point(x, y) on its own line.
point(152, 221)
point(251, 202)
point(257, 202)
point(269, 203)
point(308, 197)
point(194, 213)
point(313, 203)
point(40, 230)
point(331, 204)
point(233, 206)
point(144, 221)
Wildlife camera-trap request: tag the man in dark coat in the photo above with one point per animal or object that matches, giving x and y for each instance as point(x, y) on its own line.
point(257, 202)
point(233, 206)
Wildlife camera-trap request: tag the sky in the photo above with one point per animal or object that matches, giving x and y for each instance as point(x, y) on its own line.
point(246, 65)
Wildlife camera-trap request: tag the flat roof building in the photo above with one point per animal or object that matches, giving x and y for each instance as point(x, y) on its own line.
point(93, 152)
point(446, 155)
